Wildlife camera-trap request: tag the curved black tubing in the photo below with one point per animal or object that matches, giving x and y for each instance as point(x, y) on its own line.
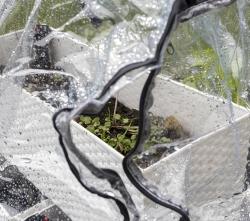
point(182, 10)
point(122, 207)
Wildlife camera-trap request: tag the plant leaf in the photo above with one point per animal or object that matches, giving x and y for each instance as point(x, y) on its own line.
point(117, 116)
point(125, 120)
point(85, 120)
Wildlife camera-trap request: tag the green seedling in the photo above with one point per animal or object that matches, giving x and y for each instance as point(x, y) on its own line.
point(118, 131)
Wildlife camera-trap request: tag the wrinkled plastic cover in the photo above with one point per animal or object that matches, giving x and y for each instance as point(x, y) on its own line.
point(210, 175)
point(57, 54)
point(72, 59)
point(105, 37)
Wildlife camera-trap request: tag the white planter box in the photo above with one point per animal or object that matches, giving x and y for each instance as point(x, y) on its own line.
point(214, 163)
point(185, 174)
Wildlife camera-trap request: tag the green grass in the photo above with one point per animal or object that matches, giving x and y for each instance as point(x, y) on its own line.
point(196, 64)
point(18, 17)
point(55, 17)
point(47, 14)
point(211, 78)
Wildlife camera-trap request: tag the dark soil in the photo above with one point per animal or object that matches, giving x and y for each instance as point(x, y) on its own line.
point(54, 84)
point(41, 82)
point(1, 68)
point(132, 114)
point(160, 151)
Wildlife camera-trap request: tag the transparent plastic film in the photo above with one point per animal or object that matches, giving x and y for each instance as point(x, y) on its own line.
point(91, 41)
point(64, 53)
point(124, 110)
point(200, 129)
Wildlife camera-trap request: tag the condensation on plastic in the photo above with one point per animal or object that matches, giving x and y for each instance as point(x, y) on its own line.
point(120, 34)
point(209, 175)
point(124, 33)
point(133, 36)
point(30, 142)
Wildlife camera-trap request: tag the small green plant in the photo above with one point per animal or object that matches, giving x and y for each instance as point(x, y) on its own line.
point(117, 125)
point(116, 130)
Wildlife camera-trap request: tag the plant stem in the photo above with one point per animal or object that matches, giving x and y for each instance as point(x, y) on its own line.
point(115, 108)
point(125, 127)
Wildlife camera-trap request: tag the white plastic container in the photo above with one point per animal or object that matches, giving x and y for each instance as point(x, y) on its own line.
point(185, 174)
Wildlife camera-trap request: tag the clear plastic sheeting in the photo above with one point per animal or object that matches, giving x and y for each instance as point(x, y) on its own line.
point(65, 52)
point(178, 69)
point(211, 172)
point(111, 35)
point(37, 155)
